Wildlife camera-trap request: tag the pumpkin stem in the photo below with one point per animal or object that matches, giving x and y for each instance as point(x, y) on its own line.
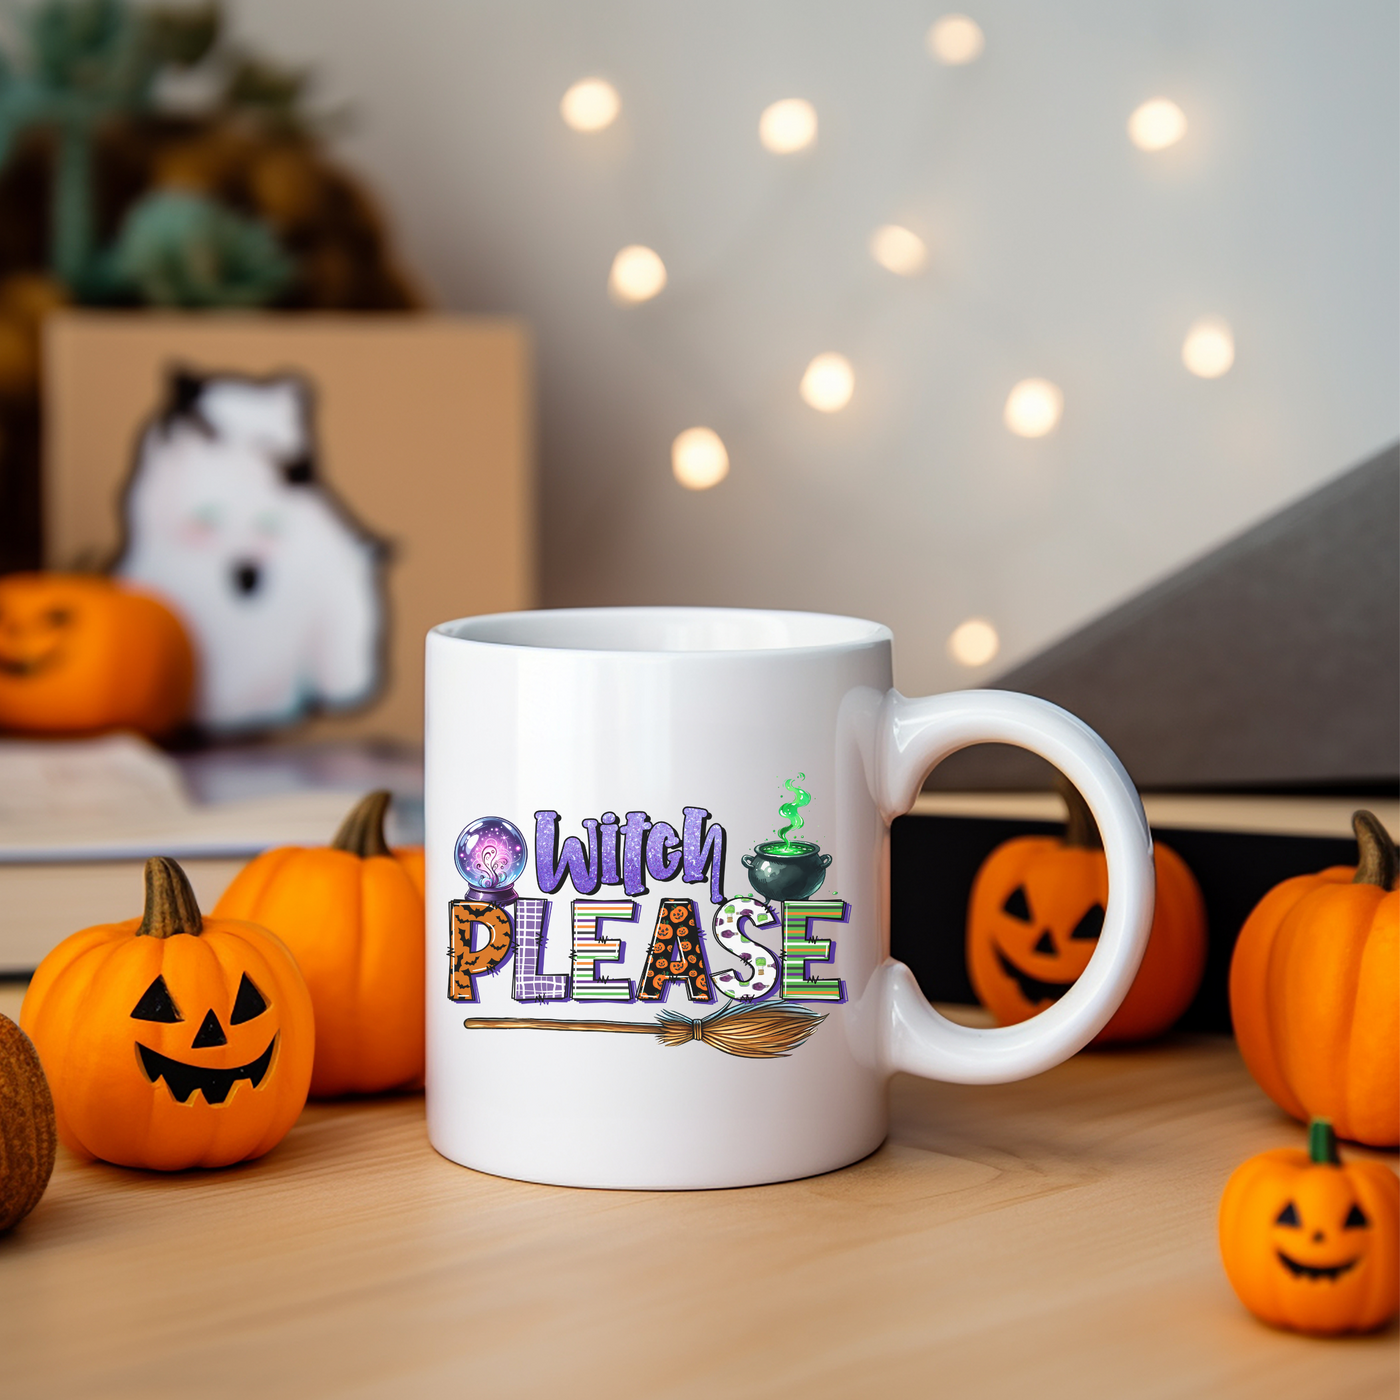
point(1081, 830)
point(1322, 1143)
point(1378, 864)
point(171, 907)
point(362, 832)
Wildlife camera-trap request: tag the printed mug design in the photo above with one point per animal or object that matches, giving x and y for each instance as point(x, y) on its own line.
point(772, 932)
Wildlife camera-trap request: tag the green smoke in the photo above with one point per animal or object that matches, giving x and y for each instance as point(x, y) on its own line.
point(793, 810)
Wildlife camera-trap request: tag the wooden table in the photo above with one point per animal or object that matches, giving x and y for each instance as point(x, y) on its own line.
point(1045, 1239)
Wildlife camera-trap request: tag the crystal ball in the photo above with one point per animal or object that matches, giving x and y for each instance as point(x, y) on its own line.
point(491, 853)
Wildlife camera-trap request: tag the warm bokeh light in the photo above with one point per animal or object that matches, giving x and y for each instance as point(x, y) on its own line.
point(788, 125)
point(699, 459)
point(898, 249)
point(638, 274)
point(829, 383)
point(590, 105)
point(955, 40)
point(1209, 348)
point(1156, 125)
point(974, 642)
point(1033, 407)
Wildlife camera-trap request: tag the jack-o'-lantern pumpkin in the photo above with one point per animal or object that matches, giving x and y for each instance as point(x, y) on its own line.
point(352, 913)
point(1034, 919)
point(172, 1040)
point(1314, 994)
point(81, 653)
point(1310, 1244)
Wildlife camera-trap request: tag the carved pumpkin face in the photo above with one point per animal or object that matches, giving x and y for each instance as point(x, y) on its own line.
point(208, 1056)
point(1037, 924)
point(1310, 1244)
point(190, 1047)
point(1034, 919)
point(1321, 1233)
point(80, 653)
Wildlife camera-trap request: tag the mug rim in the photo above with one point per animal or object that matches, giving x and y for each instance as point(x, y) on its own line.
point(847, 633)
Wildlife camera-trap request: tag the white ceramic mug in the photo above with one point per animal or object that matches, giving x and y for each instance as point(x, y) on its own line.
point(658, 893)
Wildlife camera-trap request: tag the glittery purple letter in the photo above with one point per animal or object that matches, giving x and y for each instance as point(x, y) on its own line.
point(704, 849)
point(663, 852)
point(551, 868)
point(634, 832)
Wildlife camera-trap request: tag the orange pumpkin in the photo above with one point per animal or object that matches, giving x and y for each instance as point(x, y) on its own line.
point(82, 653)
point(1310, 1244)
point(352, 913)
point(172, 1041)
point(1034, 918)
point(1315, 997)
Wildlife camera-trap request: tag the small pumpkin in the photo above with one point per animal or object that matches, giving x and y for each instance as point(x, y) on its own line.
point(27, 1132)
point(1034, 919)
point(352, 913)
point(1314, 994)
point(1310, 1244)
point(172, 1040)
point(80, 654)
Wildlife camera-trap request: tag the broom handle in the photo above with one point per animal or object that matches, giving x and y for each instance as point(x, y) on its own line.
point(488, 1023)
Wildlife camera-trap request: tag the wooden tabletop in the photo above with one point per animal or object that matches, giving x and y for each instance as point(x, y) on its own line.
point(1045, 1239)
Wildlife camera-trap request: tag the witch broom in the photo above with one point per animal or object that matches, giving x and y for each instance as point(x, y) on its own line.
point(753, 1032)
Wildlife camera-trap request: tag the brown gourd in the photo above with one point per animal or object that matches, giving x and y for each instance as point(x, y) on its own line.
point(27, 1132)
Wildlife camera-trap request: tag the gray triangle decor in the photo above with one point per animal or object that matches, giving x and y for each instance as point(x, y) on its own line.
point(1270, 664)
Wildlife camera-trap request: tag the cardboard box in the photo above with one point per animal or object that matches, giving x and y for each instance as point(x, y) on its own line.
point(425, 431)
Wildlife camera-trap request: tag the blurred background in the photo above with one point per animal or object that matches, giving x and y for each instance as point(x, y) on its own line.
point(1045, 242)
point(1054, 248)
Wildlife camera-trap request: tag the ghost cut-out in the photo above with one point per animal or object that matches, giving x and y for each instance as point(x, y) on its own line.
point(227, 515)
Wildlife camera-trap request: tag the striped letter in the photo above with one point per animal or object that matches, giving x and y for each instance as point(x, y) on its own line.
point(591, 948)
point(800, 948)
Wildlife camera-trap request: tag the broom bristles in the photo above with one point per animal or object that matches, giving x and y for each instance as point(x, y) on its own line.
point(751, 1032)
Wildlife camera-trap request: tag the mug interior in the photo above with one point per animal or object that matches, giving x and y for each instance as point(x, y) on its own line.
point(665, 630)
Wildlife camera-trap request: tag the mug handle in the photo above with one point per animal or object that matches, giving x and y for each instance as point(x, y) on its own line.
point(915, 735)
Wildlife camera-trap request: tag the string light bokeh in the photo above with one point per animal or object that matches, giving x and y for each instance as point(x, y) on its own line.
point(956, 40)
point(699, 459)
point(637, 274)
point(974, 643)
point(787, 126)
point(1209, 348)
point(590, 105)
point(1033, 408)
point(1156, 125)
point(828, 383)
point(898, 249)
point(1050, 245)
